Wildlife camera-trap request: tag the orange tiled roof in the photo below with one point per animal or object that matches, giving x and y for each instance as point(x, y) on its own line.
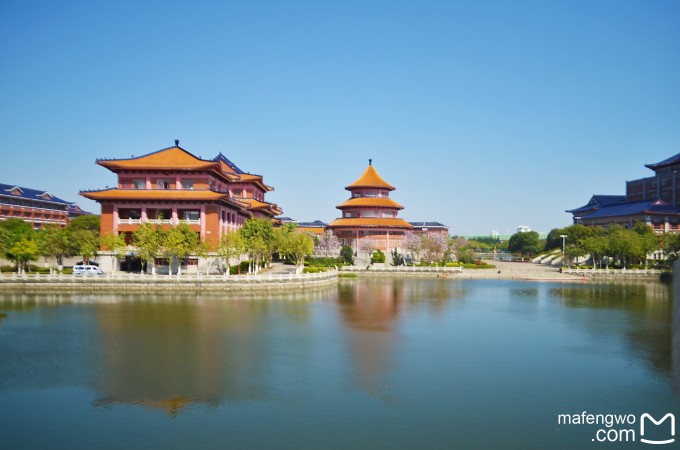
point(370, 222)
point(169, 158)
point(370, 178)
point(313, 230)
point(248, 177)
point(155, 194)
point(382, 202)
point(251, 203)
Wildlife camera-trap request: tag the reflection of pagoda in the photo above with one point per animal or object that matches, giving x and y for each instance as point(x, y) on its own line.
point(369, 218)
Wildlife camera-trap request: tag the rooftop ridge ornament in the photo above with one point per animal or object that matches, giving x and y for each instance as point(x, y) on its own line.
point(370, 162)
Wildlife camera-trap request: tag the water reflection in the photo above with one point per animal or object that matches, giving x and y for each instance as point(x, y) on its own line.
point(173, 352)
point(647, 315)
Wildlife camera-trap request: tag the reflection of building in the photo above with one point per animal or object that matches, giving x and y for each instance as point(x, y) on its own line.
point(171, 185)
point(369, 217)
point(654, 200)
point(35, 206)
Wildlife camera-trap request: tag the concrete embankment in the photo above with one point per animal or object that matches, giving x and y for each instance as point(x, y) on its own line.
point(146, 283)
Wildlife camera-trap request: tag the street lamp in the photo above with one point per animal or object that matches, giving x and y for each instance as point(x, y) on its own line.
point(564, 247)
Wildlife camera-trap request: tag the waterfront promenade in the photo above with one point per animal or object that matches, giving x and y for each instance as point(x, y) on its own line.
point(282, 277)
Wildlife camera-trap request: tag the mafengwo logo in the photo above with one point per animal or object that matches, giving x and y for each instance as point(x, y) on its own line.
point(646, 418)
point(623, 428)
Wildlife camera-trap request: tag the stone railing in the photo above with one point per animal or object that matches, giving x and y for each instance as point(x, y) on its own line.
point(135, 281)
point(612, 272)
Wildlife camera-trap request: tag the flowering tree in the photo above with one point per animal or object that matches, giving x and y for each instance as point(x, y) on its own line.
point(328, 243)
point(367, 245)
point(413, 243)
point(436, 247)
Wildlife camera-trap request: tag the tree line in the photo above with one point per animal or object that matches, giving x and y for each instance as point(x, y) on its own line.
point(258, 239)
point(611, 245)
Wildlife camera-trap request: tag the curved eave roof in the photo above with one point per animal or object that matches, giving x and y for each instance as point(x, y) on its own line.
point(256, 205)
point(257, 179)
point(370, 178)
point(173, 158)
point(673, 160)
point(370, 222)
point(645, 207)
point(156, 194)
point(378, 202)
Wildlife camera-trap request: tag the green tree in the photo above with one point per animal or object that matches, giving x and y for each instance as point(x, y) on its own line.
point(526, 243)
point(55, 242)
point(23, 251)
point(299, 246)
point(149, 240)
point(259, 239)
point(86, 243)
point(397, 258)
point(596, 246)
point(14, 231)
point(649, 241)
point(347, 254)
point(179, 243)
point(114, 243)
point(230, 246)
point(88, 222)
point(84, 231)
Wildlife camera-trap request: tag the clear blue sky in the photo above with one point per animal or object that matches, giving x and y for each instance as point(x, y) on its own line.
point(484, 114)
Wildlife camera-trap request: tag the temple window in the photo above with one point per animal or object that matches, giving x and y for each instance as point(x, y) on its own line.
point(163, 184)
point(139, 184)
point(237, 192)
point(134, 214)
point(190, 214)
point(187, 184)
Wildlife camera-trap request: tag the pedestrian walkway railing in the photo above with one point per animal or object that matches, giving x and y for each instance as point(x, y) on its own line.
point(611, 272)
point(401, 269)
point(151, 278)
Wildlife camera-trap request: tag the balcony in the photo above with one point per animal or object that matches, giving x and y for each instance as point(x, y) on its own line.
point(157, 221)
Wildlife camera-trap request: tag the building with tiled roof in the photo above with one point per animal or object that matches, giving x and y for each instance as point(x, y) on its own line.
point(653, 200)
point(369, 217)
point(35, 206)
point(429, 227)
point(172, 185)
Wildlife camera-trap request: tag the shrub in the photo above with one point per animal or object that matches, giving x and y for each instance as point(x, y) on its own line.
point(347, 254)
point(347, 275)
point(378, 257)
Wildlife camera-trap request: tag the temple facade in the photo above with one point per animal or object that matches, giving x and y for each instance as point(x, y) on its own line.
point(653, 200)
point(171, 185)
point(370, 217)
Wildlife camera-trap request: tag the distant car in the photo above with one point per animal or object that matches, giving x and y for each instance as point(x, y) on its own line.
point(86, 269)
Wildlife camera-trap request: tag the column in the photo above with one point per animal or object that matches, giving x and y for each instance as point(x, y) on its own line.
point(115, 218)
point(144, 216)
point(148, 181)
point(175, 219)
point(202, 222)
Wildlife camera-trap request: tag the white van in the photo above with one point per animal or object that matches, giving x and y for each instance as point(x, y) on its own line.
point(83, 269)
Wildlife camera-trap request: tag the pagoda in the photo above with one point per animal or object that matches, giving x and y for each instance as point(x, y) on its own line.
point(169, 186)
point(369, 218)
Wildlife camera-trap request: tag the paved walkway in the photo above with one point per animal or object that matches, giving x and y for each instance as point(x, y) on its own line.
point(518, 270)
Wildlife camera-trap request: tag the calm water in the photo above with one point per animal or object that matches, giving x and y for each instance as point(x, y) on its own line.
point(385, 363)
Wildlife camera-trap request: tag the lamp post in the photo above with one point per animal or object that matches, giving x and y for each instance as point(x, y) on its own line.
point(564, 247)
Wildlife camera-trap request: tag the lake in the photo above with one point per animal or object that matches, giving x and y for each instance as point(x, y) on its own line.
point(369, 363)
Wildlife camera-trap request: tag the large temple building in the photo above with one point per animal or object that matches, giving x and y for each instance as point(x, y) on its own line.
point(653, 200)
point(370, 217)
point(172, 185)
point(35, 206)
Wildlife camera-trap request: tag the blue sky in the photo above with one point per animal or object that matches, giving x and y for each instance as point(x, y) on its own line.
point(484, 114)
